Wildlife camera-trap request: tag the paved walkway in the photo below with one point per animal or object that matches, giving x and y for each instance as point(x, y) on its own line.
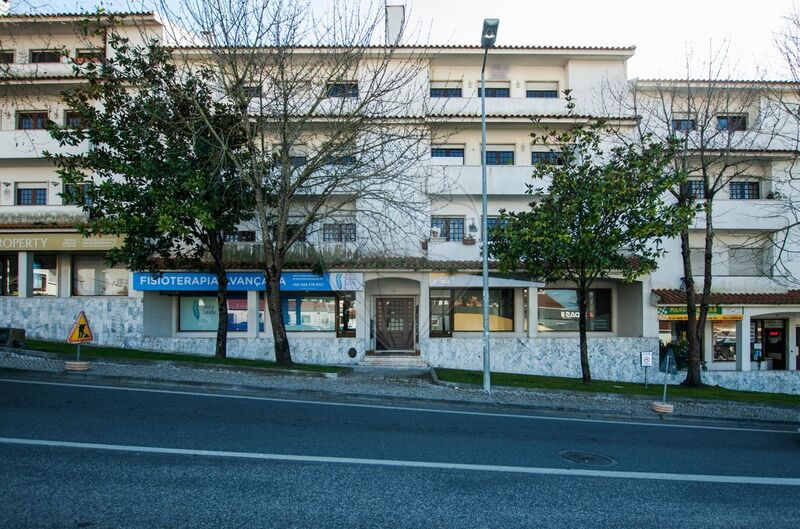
point(382, 383)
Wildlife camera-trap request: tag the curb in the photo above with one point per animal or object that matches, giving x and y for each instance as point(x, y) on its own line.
point(489, 406)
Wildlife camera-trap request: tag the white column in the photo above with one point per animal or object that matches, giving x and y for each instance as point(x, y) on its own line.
point(708, 345)
point(743, 343)
point(362, 333)
point(791, 345)
point(65, 275)
point(252, 313)
point(424, 310)
point(519, 312)
point(533, 311)
point(25, 264)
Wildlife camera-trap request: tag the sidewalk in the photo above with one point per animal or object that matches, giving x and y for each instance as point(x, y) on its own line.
point(388, 384)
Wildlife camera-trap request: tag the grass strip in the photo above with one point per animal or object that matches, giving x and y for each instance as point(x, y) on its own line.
point(121, 353)
point(654, 390)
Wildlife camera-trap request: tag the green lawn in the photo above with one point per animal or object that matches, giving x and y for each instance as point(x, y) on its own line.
point(94, 351)
point(624, 388)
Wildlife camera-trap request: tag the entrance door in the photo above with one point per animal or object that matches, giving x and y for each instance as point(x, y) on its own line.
point(775, 342)
point(394, 324)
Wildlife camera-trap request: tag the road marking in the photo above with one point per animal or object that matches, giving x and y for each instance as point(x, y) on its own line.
point(400, 408)
point(658, 476)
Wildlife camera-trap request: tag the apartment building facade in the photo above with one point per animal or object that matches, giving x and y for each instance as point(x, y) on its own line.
point(425, 302)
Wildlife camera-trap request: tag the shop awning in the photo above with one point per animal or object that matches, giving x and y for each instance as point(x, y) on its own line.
point(444, 280)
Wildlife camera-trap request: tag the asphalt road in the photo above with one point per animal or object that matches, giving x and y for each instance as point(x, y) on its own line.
point(80, 456)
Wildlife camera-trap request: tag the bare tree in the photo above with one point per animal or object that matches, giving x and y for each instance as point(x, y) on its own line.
point(728, 132)
point(335, 122)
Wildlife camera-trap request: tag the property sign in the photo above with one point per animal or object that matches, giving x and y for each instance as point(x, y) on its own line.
point(647, 358)
point(81, 332)
point(242, 281)
point(676, 313)
point(57, 241)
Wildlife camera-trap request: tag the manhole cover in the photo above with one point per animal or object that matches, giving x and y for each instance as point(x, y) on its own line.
point(587, 458)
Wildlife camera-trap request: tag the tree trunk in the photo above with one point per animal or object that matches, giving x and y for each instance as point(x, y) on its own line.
point(283, 355)
point(692, 336)
point(583, 308)
point(220, 351)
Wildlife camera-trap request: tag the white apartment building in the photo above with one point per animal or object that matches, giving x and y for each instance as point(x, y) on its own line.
point(425, 303)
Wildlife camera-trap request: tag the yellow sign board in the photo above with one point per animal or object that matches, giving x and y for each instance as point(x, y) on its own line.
point(716, 313)
point(81, 332)
point(74, 242)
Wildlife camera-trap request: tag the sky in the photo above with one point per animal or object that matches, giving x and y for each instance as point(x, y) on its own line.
point(664, 32)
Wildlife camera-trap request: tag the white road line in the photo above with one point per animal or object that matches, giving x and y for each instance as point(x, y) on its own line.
point(400, 408)
point(658, 476)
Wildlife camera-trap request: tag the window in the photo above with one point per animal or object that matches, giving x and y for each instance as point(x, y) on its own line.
point(339, 232)
point(93, 275)
point(347, 159)
point(441, 317)
point(468, 310)
point(559, 311)
point(496, 91)
point(200, 312)
point(724, 339)
point(308, 311)
point(695, 189)
point(45, 274)
point(499, 157)
point(346, 314)
point(684, 125)
point(90, 55)
point(31, 194)
point(44, 56)
point(448, 228)
point(252, 91)
point(241, 236)
point(447, 152)
point(745, 190)
point(77, 195)
point(6, 56)
point(9, 275)
point(73, 119)
point(732, 123)
point(445, 89)
point(697, 258)
point(31, 120)
point(291, 231)
point(298, 160)
point(492, 224)
point(748, 261)
point(546, 158)
point(541, 89)
point(343, 90)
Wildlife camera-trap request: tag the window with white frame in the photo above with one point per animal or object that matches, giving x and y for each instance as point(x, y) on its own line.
point(748, 261)
point(446, 89)
point(339, 232)
point(447, 228)
point(541, 89)
point(744, 190)
point(32, 194)
point(447, 154)
point(496, 89)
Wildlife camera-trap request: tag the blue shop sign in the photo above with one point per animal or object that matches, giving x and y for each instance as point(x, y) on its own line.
point(239, 281)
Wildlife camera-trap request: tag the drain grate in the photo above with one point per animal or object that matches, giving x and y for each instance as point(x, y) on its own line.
point(588, 458)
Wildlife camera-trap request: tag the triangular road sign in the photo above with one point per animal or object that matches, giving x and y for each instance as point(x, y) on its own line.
point(81, 332)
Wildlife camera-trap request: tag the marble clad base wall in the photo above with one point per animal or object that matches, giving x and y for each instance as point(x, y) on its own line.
point(118, 322)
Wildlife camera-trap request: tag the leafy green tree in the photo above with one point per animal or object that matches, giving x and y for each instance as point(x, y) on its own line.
point(157, 171)
point(602, 213)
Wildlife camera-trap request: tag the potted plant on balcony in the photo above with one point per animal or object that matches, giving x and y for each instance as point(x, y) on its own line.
point(468, 240)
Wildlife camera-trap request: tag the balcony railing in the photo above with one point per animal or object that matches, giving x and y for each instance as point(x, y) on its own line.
point(466, 179)
point(44, 215)
point(26, 144)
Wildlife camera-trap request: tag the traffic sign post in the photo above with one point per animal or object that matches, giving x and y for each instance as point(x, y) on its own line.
point(668, 366)
point(646, 358)
point(81, 333)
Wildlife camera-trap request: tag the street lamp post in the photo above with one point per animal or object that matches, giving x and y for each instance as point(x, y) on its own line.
point(488, 37)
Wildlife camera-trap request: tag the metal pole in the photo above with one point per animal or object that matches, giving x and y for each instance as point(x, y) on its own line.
point(487, 382)
point(79, 352)
point(666, 374)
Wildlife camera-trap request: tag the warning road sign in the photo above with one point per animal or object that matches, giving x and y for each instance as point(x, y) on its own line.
point(81, 332)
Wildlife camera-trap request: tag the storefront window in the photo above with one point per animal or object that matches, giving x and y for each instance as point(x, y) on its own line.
point(559, 311)
point(441, 302)
point(308, 312)
point(93, 275)
point(723, 335)
point(201, 312)
point(468, 310)
point(45, 274)
point(346, 314)
point(9, 275)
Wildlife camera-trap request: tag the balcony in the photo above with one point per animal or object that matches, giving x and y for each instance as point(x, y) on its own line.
point(26, 216)
point(30, 144)
point(41, 70)
point(761, 215)
point(466, 179)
